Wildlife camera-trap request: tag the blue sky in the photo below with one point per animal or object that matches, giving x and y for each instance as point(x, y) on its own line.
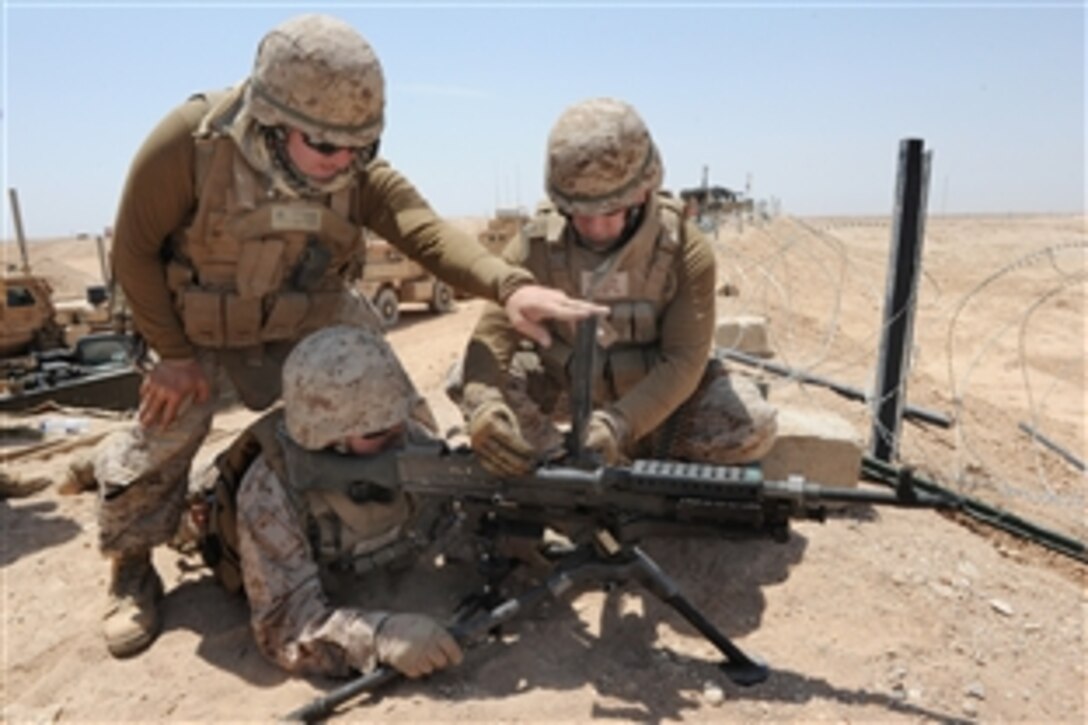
point(810, 99)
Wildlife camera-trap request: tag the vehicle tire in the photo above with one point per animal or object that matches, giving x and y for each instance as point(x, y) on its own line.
point(441, 298)
point(388, 306)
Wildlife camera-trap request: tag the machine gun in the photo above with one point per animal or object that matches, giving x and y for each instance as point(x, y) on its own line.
point(604, 511)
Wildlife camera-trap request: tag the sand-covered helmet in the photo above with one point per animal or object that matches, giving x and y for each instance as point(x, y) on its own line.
point(342, 381)
point(601, 158)
point(317, 74)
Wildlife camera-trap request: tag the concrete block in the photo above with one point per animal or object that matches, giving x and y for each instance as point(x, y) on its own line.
point(744, 333)
point(819, 445)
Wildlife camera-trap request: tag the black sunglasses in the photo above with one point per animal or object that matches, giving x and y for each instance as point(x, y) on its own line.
point(323, 147)
point(365, 154)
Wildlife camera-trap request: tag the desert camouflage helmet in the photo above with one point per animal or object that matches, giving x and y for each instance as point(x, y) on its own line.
point(343, 381)
point(317, 74)
point(601, 158)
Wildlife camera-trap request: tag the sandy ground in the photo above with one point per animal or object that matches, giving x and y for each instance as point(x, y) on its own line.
point(878, 615)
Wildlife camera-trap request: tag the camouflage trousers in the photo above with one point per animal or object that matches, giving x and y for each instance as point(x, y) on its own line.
point(726, 421)
point(143, 474)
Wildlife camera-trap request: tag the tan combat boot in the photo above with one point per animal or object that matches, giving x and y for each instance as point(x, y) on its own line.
point(132, 619)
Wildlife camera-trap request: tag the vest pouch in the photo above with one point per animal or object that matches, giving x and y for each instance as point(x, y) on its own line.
point(312, 265)
point(643, 323)
point(621, 321)
point(286, 316)
point(243, 315)
point(178, 276)
point(627, 367)
point(203, 318)
point(260, 267)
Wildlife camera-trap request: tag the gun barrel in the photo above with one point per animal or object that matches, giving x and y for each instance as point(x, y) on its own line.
point(804, 493)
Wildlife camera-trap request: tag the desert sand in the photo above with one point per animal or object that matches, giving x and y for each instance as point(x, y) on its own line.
point(878, 615)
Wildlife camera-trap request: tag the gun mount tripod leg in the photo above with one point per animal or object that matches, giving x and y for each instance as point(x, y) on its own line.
point(738, 666)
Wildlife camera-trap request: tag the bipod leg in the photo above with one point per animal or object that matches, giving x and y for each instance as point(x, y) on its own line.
point(738, 666)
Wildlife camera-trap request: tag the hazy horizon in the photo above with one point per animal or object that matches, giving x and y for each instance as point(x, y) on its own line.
point(806, 102)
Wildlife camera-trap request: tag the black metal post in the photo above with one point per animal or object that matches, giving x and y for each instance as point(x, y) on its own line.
point(581, 395)
point(908, 231)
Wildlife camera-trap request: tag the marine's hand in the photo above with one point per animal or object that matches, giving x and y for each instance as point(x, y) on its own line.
point(415, 645)
point(530, 305)
point(605, 436)
point(169, 384)
point(497, 440)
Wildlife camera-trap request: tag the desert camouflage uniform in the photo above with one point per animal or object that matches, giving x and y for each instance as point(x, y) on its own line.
point(291, 616)
point(312, 617)
point(311, 556)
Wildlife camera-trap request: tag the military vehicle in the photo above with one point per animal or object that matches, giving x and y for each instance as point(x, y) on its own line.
point(391, 278)
point(99, 371)
point(501, 228)
point(74, 352)
point(702, 202)
point(27, 315)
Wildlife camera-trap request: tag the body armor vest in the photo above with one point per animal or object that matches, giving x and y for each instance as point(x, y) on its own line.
point(250, 265)
point(636, 283)
point(348, 529)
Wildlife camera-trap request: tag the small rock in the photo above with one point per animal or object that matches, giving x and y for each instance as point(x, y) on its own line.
point(1001, 607)
point(1032, 627)
point(976, 690)
point(713, 694)
point(967, 569)
point(943, 590)
point(970, 709)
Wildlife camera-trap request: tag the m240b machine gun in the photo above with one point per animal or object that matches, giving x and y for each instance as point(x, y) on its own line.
point(603, 510)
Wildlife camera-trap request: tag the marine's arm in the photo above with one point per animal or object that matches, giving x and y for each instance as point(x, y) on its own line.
point(687, 332)
point(292, 621)
point(396, 211)
point(157, 197)
point(393, 208)
point(493, 341)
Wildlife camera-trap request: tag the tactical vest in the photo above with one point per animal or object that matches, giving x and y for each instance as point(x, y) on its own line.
point(251, 266)
point(347, 530)
point(636, 283)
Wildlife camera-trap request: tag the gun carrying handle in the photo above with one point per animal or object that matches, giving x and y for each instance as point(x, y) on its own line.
point(581, 389)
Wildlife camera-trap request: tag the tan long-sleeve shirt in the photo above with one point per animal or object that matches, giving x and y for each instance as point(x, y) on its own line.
point(686, 333)
point(160, 194)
